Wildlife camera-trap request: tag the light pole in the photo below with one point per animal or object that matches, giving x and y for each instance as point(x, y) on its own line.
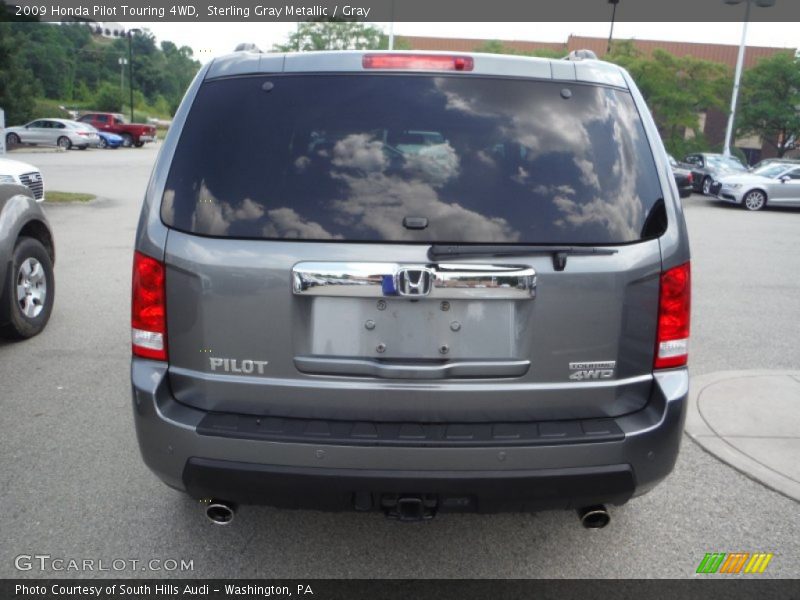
point(613, 18)
point(726, 149)
point(130, 66)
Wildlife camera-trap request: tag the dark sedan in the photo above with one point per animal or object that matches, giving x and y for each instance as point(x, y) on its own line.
point(708, 168)
point(683, 177)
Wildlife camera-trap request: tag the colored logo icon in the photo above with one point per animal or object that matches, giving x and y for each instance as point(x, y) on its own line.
point(734, 562)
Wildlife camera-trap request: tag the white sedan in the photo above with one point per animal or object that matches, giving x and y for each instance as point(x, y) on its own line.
point(776, 184)
point(63, 133)
point(15, 171)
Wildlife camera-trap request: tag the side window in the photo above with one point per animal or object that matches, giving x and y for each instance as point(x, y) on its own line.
point(86, 119)
point(794, 174)
point(118, 121)
point(102, 118)
point(58, 125)
point(37, 124)
point(46, 124)
point(692, 159)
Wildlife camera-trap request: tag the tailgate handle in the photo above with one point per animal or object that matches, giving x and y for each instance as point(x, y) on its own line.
point(442, 281)
point(359, 367)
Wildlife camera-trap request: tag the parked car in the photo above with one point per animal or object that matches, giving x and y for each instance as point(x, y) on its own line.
point(501, 324)
point(63, 133)
point(104, 139)
point(132, 134)
point(110, 140)
point(776, 184)
point(769, 161)
point(27, 256)
point(22, 173)
point(683, 177)
point(707, 168)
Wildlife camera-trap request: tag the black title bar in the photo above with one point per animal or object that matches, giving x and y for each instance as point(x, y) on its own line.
point(709, 11)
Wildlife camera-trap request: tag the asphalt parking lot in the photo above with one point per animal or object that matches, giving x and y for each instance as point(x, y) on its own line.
point(72, 484)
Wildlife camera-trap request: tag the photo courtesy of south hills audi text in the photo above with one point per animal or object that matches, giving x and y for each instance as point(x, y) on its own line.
point(155, 590)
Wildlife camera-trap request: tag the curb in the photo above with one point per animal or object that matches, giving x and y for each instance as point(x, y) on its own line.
point(702, 432)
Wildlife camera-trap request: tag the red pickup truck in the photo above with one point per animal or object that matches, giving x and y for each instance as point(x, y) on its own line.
point(133, 134)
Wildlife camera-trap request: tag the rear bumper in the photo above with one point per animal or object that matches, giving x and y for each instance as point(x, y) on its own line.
point(564, 473)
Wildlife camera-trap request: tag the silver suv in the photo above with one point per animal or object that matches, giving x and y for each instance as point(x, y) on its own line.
point(411, 283)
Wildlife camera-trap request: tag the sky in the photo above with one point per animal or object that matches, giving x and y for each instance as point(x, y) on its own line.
point(208, 40)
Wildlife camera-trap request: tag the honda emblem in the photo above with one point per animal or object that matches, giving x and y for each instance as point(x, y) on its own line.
point(413, 281)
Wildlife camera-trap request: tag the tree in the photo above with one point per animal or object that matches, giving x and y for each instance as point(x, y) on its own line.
point(677, 90)
point(770, 102)
point(109, 98)
point(17, 87)
point(498, 47)
point(67, 63)
point(333, 35)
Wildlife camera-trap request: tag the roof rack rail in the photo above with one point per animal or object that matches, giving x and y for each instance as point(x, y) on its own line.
point(582, 54)
point(247, 47)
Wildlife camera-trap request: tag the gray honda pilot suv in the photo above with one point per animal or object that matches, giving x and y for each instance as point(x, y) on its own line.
point(411, 283)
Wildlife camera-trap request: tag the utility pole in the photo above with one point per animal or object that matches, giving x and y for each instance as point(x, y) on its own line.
point(130, 66)
point(122, 62)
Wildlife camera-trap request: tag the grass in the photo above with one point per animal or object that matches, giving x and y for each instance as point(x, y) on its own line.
point(51, 196)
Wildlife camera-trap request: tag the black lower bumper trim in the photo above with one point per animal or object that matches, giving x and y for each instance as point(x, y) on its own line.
point(355, 433)
point(461, 491)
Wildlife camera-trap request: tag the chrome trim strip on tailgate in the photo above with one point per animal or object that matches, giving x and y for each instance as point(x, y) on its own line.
point(447, 281)
point(394, 370)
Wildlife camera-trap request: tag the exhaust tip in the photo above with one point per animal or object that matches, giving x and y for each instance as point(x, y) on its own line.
point(220, 513)
point(594, 517)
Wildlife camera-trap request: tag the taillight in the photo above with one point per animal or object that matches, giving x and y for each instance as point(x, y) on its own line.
point(672, 349)
point(418, 62)
point(690, 178)
point(148, 308)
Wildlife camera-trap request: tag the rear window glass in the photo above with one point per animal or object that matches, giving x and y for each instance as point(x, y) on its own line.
point(350, 157)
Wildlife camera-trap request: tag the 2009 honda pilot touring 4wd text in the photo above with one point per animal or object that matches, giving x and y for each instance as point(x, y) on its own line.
point(411, 283)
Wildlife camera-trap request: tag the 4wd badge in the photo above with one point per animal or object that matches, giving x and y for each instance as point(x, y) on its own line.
point(592, 370)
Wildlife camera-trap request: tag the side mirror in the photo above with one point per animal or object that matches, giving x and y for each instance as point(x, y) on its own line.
point(785, 178)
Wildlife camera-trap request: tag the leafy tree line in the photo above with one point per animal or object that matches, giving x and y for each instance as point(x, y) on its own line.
point(337, 34)
point(68, 64)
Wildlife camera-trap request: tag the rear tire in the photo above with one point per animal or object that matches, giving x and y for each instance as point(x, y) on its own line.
point(29, 291)
point(706, 186)
point(139, 144)
point(127, 140)
point(12, 139)
point(64, 143)
point(103, 143)
point(754, 200)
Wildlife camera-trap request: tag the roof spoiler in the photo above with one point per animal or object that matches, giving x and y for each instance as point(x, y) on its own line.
point(582, 54)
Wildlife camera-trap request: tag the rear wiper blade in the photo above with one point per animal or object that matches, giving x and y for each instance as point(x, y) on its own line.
point(559, 253)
